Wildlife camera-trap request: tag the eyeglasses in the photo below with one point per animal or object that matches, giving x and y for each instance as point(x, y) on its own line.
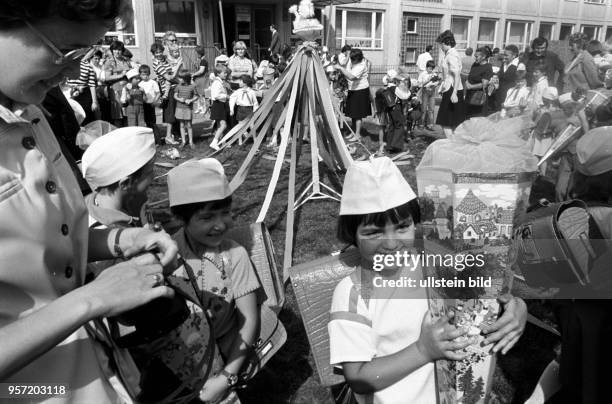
point(61, 57)
point(173, 40)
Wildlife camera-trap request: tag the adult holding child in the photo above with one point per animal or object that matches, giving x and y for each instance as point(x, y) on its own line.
point(115, 67)
point(44, 237)
point(452, 106)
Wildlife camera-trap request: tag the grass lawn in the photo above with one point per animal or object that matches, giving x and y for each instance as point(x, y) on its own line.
point(290, 376)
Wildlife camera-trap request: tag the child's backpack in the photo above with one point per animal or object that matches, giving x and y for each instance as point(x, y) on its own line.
point(555, 244)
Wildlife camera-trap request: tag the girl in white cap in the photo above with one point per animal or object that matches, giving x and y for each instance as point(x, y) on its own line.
point(384, 338)
point(200, 197)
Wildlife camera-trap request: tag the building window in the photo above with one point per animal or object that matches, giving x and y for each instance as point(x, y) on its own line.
point(566, 31)
point(609, 34)
point(591, 30)
point(518, 33)
point(460, 26)
point(123, 31)
point(410, 56)
point(359, 29)
point(177, 16)
point(547, 30)
point(487, 33)
point(595, 1)
point(411, 26)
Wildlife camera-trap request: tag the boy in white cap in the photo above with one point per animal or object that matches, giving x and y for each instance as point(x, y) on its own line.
point(119, 169)
point(386, 341)
point(133, 98)
point(201, 198)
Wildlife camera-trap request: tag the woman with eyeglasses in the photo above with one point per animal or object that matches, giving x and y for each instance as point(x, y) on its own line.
point(115, 67)
point(240, 64)
point(44, 238)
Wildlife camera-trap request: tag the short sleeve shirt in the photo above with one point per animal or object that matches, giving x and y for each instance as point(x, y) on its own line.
point(222, 276)
point(360, 331)
point(43, 249)
point(451, 67)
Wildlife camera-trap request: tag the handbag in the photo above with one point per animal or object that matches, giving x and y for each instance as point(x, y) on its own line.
point(555, 244)
point(136, 358)
point(272, 337)
point(477, 98)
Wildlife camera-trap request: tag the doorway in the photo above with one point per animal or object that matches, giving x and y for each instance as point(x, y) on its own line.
point(250, 24)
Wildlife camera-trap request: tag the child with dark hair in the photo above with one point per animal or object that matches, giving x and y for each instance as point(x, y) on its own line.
point(201, 198)
point(219, 110)
point(386, 359)
point(185, 95)
point(428, 81)
point(152, 94)
point(516, 98)
point(243, 102)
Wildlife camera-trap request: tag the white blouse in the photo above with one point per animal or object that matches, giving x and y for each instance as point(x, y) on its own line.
point(451, 68)
point(360, 71)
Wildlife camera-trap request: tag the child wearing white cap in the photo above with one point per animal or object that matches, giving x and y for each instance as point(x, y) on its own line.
point(119, 169)
point(133, 97)
point(386, 344)
point(201, 198)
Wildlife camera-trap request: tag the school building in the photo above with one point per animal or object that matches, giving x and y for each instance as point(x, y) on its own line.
point(391, 32)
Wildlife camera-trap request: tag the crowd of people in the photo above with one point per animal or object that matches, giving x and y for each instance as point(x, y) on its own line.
point(77, 271)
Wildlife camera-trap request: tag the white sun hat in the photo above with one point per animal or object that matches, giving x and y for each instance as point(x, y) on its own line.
point(374, 186)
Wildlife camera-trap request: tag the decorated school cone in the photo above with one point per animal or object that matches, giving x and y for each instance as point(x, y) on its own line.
point(471, 189)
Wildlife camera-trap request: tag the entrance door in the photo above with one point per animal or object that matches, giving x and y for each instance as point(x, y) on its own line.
point(263, 17)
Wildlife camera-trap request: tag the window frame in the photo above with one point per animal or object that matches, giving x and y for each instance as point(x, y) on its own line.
point(596, 27)
point(120, 34)
point(196, 35)
point(480, 43)
point(343, 38)
point(600, 2)
point(469, 30)
point(416, 25)
point(527, 32)
point(573, 27)
point(552, 29)
point(406, 53)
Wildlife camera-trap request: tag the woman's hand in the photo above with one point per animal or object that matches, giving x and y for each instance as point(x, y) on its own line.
point(125, 286)
point(134, 241)
point(507, 330)
point(215, 389)
point(454, 99)
point(438, 339)
point(94, 106)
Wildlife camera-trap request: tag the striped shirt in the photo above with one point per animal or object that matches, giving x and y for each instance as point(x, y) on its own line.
point(87, 76)
point(161, 69)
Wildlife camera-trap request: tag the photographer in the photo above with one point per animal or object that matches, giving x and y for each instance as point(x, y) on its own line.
point(44, 239)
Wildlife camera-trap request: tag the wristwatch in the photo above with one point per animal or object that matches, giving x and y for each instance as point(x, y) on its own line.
point(232, 379)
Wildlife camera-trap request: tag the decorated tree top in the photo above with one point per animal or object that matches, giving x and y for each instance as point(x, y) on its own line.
point(305, 25)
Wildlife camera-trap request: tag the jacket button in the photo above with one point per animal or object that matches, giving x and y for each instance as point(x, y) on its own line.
point(35, 121)
point(65, 229)
point(28, 142)
point(51, 187)
point(68, 272)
